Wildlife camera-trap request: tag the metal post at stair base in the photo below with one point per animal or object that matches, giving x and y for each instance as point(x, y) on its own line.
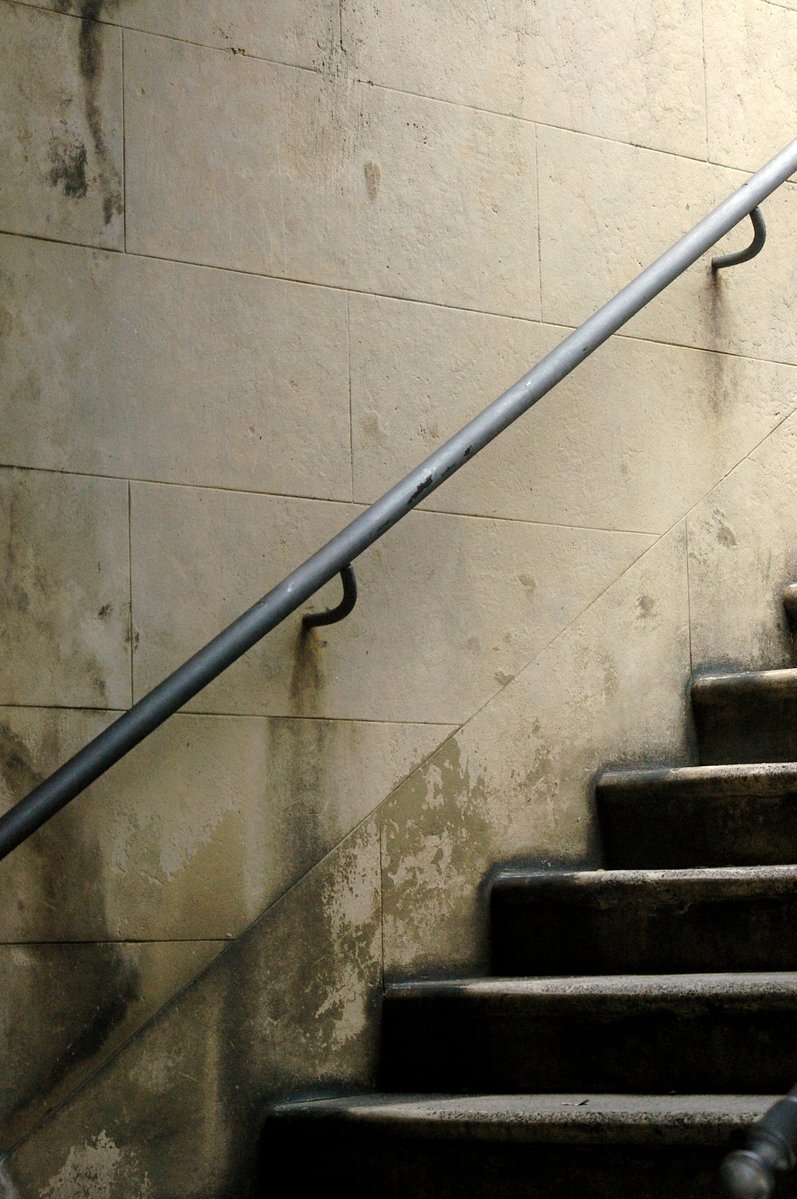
point(749, 1173)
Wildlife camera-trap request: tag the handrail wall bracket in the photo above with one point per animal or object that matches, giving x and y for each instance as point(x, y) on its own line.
point(346, 605)
point(756, 245)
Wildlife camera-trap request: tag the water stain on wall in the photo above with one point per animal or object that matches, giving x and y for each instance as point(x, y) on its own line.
point(71, 167)
point(58, 1029)
point(90, 60)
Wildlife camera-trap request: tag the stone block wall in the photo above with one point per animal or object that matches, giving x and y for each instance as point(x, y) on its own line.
point(257, 259)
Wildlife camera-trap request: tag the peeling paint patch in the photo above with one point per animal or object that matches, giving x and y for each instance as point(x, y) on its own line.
point(373, 176)
point(98, 1169)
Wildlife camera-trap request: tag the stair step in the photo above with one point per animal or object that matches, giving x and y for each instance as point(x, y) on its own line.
point(640, 921)
point(746, 717)
point(625, 1033)
point(508, 1146)
point(566, 1118)
point(699, 816)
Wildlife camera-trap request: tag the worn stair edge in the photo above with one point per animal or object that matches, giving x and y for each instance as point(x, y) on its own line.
point(775, 987)
point(514, 883)
point(719, 781)
point(710, 690)
point(548, 1118)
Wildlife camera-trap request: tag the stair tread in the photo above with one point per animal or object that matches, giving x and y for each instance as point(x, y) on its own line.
point(747, 880)
point(537, 1117)
point(780, 683)
point(725, 779)
point(743, 986)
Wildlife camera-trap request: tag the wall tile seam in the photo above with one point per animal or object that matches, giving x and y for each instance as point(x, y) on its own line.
point(351, 407)
point(364, 81)
point(124, 143)
point(563, 327)
point(131, 628)
point(166, 37)
point(355, 291)
point(199, 714)
point(705, 73)
point(360, 505)
point(540, 304)
point(379, 295)
point(510, 116)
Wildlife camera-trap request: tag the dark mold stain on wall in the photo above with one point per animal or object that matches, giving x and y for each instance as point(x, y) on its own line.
point(72, 168)
point(90, 61)
point(59, 1031)
point(68, 166)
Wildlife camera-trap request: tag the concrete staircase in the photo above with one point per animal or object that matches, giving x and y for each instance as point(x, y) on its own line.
point(637, 1018)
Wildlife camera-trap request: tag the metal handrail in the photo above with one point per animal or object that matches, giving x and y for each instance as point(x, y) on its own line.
point(164, 700)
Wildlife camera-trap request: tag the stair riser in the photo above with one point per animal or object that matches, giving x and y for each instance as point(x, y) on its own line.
point(747, 728)
point(418, 1169)
point(555, 929)
point(706, 1046)
point(639, 830)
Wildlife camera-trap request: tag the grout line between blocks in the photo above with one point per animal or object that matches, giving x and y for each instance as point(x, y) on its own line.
point(124, 149)
point(131, 623)
point(705, 69)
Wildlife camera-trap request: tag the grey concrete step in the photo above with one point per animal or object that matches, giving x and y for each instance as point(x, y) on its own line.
point(699, 816)
point(534, 1119)
point(712, 1033)
point(644, 921)
point(506, 1146)
point(746, 717)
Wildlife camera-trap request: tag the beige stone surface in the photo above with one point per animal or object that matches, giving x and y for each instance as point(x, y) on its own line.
point(126, 366)
point(751, 88)
point(198, 830)
point(292, 1005)
point(65, 1008)
point(581, 65)
point(742, 551)
point(61, 129)
point(240, 163)
point(608, 210)
point(304, 32)
point(630, 441)
point(450, 608)
point(64, 590)
point(515, 782)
